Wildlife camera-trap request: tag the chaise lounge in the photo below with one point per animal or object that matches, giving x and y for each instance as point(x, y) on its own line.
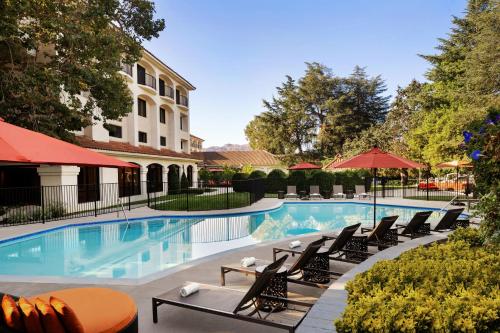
point(417, 226)
point(256, 305)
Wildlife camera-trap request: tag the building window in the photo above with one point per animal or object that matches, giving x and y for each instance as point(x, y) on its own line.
point(141, 107)
point(88, 184)
point(182, 144)
point(143, 137)
point(141, 74)
point(163, 141)
point(129, 181)
point(114, 131)
point(162, 87)
point(162, 115)
point(182, 125)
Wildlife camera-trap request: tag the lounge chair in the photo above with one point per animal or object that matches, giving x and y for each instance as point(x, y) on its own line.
point(314, 192)
point(291, 192)
point(417, 226)
point(360, 192)
point(309, 269)
point(338, 192)
point(450, 220)
point(97, 309)
point(239, 305)
point(381, 236)
point(336, 251)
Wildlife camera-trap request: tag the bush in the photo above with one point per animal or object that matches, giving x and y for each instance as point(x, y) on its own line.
point(257, 174)
point(184, 181)
point(276, 181)
point(173, 182)
point(323, 179)
point(449, 287)
point(471, 236)
point(239, 182)
point(350, 178)
point(297, 178)
point(204, 175)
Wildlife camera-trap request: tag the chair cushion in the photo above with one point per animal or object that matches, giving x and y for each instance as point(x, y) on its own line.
point(99, 310)
point(68, 317)
point(48, 317)
point(11, 314)
point(31, 318)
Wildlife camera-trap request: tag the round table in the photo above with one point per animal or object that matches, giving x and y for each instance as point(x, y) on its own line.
point(277, 287)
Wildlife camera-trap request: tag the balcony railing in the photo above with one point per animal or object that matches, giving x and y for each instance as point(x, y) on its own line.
point(147, 80)
point(183, 100)
point(127, 68)
point(167, 91)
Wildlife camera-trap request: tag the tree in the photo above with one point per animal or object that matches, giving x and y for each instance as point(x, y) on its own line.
point(173, 181)
point(184, 181)
point(53, 52)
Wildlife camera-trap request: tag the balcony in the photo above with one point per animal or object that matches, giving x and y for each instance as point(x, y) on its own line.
point(183, 100)
point(166, 91)
point(127, 68)
point(147, 80)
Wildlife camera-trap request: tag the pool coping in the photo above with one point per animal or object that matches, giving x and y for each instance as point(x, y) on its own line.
point(164, 273)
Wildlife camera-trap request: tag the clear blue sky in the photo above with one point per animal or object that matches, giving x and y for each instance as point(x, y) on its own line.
point(237, 51)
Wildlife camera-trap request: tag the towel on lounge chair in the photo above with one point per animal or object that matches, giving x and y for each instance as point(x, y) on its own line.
point(294, 244)
point(189, 289)
point(248, 261)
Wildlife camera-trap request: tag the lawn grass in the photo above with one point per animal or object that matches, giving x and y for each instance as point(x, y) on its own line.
point(205, 202)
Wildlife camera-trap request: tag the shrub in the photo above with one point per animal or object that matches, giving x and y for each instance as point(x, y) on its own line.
point(350, 178)
point(276, 181)
point(323, 179)
point(471, 236)
point(239, 182)
point(173, 182)
point(184, 181)
point(204, 175)
point(297, 178)
point(257, 174)
point(447, 287)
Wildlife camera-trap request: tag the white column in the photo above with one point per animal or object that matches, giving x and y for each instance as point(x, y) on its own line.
point(195, 175)
point(132, 121)
point(155, 127)
point(165, 177)
point(177, 130)
point(60, 185)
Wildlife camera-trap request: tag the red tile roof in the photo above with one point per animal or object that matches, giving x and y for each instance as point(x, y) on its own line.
point(237, 158)
point(128, 148)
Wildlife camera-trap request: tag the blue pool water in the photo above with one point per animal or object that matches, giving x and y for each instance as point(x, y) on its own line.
point(151, 245)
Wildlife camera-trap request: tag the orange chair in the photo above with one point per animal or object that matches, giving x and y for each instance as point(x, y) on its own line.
point(100, 310)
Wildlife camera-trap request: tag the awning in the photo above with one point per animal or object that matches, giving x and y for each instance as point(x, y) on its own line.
point(21, 146)
point(305, 166)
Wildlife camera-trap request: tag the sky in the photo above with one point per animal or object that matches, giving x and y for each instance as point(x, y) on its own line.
point(236, 52)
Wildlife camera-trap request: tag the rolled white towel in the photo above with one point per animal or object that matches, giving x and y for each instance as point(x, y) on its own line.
point(189, 289)
point(340, 193)
point(294, 244)
point(248, 261)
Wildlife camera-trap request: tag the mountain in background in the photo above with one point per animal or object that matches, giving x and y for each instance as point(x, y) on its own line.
point(228, 147)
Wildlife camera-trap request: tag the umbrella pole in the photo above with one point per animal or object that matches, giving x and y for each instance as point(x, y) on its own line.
point(375, 197)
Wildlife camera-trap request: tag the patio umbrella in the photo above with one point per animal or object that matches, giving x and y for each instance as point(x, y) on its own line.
point(304, 166)
point(376, 159)
point(21, 146)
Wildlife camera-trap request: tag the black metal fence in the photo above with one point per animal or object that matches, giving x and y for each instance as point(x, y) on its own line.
point(23, 205)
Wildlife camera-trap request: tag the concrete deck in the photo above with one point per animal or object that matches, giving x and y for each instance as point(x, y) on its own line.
point(173, 319)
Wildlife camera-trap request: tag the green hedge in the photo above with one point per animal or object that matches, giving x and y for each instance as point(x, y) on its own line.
point(276, 181)
point(297, 178)
point(238, 184)
point(257, 174)
point(323, 179)
point(451, 287)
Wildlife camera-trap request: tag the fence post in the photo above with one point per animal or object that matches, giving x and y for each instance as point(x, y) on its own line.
point(427, 189)
point(227, 197)
point(129, 195)
point(147, 193)
point(43, 205)
point(95, 201)
point(187, 199)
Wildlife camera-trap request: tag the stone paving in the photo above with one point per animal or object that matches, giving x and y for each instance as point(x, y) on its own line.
point(320, 319)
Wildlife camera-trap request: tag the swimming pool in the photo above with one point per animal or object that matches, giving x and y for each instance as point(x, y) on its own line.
point(147, 246)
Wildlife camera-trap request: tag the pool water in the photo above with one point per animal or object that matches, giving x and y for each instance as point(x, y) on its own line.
point(151, 245)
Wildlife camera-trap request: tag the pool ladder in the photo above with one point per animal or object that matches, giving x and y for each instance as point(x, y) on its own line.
point(124, 214)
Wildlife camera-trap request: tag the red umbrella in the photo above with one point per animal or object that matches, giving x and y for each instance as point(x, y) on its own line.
point(304, 166)
point(376, 159)
point(19, 145)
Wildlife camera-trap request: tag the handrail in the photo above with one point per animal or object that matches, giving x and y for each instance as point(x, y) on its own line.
point(124, 214)
point(449, 203)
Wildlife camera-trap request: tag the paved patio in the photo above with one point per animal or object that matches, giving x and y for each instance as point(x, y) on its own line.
point(172, 319)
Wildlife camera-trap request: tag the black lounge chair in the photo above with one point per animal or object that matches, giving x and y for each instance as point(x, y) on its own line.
point(381, 236)
point(450, 220)
point(417, 226)
point(253, 306)
point(336, 251)
point(310, 268)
